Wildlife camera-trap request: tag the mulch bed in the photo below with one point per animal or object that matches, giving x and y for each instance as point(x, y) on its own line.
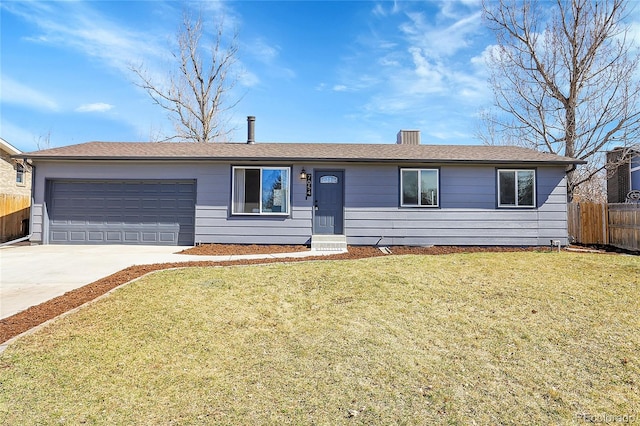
point(36, 315)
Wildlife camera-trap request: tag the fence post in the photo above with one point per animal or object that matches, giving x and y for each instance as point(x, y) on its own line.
point(605, 223)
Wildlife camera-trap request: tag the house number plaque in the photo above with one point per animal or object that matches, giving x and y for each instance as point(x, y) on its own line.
point(308, 185)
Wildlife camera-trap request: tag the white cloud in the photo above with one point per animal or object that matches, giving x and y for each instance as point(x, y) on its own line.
point(388, 62)
point(429, 75)
point(248, 79)
point(439, 46)
point(14, 92)
point(380, 10)
point(352, 85)
point(268, 54)
point(263, 51)
point(433, 76)
point(95, 107)
point(440, 39)
point(454, 9)
point(76, 25)
point(485, 55)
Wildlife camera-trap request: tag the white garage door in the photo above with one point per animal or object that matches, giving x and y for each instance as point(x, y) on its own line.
point(154, 212)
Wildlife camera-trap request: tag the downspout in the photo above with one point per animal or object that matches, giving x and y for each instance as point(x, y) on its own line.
point(33, 187)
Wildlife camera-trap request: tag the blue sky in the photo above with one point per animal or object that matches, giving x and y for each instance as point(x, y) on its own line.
point(329, 71)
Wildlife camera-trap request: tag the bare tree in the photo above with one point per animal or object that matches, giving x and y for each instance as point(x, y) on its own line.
point(564, 78)
point(43, 141)
point(195, 93)
point(594, 189)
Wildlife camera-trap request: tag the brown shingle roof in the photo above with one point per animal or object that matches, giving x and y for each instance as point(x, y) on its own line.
point(320, 152)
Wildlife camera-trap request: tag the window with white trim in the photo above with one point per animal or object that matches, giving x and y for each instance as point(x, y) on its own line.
point(20, 174)
point(261, 190)
point(516, 188)
point(419, 188)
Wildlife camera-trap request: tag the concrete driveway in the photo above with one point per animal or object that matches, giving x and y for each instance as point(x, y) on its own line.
point(30, 275)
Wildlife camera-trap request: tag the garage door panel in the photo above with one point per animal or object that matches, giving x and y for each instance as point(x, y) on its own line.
point(149, 237)
point(151, 188)
point(61, 203)
point(131, 237)
point(167, 237)
point(182, 204)
point(77, 236)
point(167, 189)
point(96, 236)
point(113, 237)
point(122, 212)
point(149, 203)
point(186, 188)
point(131, 204)
point(57, 236)
point(167, 220)
point(168, 203)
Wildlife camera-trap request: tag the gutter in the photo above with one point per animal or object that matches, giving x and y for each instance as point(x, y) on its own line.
point(28, 237)
point(282, 159)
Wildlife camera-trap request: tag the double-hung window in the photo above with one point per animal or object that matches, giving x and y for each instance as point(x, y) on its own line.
point(261, 190)
point(516, 188)
point(419, 188)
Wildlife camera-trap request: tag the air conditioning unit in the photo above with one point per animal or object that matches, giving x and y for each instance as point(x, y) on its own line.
point(408, 137)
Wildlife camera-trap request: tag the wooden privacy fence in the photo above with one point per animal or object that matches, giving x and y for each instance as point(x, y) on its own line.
point(14, 216)
point(624, 225)
point(617, 225)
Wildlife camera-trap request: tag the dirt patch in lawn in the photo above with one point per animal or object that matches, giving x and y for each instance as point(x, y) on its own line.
point(36, 315)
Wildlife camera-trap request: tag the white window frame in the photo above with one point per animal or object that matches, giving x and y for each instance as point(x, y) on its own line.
point(516, 205)
point(260, 212)
point(419, 170)
point(634, 158)
point(21, 173)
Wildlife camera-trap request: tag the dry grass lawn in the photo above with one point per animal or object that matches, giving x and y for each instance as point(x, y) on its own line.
point(484, 338)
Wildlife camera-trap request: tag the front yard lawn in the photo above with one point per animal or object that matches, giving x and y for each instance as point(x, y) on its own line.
point(485, 338)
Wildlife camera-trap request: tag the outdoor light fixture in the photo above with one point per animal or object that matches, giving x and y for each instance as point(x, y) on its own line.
point(303, 174)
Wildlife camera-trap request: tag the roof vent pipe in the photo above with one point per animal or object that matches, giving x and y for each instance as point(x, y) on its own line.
point(251, 130)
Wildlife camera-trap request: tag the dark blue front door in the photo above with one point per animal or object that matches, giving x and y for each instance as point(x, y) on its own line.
point(328, 216)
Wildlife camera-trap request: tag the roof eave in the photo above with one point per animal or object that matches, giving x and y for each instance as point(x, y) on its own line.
point(7, 147)
point(301, 159)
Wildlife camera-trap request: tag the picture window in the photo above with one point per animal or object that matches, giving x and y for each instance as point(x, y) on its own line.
point(261, 190)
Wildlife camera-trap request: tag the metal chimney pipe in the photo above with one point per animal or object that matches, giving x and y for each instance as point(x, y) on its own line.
point(251, 130)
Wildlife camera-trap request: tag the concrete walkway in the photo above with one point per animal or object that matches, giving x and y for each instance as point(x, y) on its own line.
point(30, 275)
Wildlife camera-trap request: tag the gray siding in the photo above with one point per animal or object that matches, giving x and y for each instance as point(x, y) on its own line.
point(213, 220)
point(467, 214)
point(47, 171)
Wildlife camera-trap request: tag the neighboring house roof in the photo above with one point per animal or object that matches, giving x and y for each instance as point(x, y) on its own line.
point(7, 147)
point(317, 152)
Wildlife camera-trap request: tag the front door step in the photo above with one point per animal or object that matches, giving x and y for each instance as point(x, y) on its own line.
point(329, 243)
